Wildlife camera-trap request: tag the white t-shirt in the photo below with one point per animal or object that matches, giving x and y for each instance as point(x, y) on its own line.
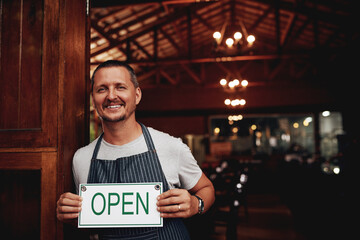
point(178, 164)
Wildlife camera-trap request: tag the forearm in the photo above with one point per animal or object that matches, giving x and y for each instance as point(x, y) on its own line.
point(207, 194)
point(205, 190)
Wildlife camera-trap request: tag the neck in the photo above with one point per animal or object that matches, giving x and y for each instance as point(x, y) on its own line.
point(120, 133)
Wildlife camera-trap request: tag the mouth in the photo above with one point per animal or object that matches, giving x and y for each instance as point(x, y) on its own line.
point(114, 106)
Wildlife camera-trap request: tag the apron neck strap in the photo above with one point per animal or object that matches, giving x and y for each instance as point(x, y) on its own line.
point(148, 139)
point(97, 147)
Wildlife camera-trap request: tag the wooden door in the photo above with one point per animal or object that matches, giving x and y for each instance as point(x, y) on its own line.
point(44, 78)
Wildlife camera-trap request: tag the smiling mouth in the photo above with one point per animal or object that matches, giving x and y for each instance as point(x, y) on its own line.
point(114, 106)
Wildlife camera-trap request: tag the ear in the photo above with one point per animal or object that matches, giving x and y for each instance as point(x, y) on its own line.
point(138, 95)
point(92, 99)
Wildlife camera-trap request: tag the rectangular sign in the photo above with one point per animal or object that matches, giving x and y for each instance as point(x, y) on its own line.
point(119, 205)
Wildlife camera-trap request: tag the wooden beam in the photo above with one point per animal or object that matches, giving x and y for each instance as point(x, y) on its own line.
point(225, 69)
point(142, 49)
point(192, 74)
point(277, 26)
point(135, 21)
point(189, 33)
point(261, 18)
point(155, 41)
point(276, 70)
point(215, 59)
point(204, 22)
point(146, 75)
point(168, 77)
point(170, 39)
point(146, 29)
point(289, 26)
point(101, 32)
point(112, 3)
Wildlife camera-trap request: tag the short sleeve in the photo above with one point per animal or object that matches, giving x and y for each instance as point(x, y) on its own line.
point(189, 170)
point(75, 171)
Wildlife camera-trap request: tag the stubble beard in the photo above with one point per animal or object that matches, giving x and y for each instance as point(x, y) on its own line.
point(114, 120)
point(105, 119)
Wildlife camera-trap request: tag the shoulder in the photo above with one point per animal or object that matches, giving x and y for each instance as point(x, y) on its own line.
point(168, 145)
point(85, 151)
point(161, 138)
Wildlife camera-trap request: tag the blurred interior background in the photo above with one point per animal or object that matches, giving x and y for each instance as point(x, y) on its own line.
point(261, 91)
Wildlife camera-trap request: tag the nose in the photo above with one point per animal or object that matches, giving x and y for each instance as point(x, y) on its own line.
point(112, 94)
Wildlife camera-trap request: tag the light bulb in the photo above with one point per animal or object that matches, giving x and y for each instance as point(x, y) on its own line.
point(237, 36)
point(229, 42)
point(236, 82)
point(244, 83)
point(217, 35)
point(223, 82)
point(231, 84)
point(250, 39)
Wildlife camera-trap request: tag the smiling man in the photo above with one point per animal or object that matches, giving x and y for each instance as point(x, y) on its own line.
point(115, 97)
point(129, 152)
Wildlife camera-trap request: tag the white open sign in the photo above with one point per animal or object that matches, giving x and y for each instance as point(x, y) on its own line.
point(119, 205)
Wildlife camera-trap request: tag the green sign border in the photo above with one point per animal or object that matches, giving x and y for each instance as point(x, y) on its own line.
point(124, 224)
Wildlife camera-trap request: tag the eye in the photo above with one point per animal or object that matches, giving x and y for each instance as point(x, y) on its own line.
point(100, 90)
point(120, 87)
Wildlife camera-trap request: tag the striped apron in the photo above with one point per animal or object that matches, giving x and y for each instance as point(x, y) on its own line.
point(143, 167)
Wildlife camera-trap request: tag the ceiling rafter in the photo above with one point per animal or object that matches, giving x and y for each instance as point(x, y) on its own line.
point(192, 74)
point(159, 23)
point(288, 29)
point(150, 34)
point(135, 21)
point(170, 39)
point(168, 77)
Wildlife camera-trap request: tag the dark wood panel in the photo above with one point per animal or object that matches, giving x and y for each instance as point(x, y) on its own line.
point(31, 55)
point(21, 50)
point(44, 90)
point(29, 73)
point(48, 195)
point(20, 160)
point(9, 68)
point(20, 204)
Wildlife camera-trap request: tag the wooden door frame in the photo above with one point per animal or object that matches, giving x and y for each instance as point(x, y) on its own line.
point(65, 85)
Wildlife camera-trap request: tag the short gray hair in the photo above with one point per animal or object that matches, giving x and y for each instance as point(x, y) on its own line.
point(116, 63)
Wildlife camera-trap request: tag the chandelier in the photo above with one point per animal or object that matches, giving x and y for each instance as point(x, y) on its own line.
point(234, 87)
point(233, 37)
point(234, 40)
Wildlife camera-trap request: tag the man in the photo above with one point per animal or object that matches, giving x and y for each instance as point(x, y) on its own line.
point(127, 151)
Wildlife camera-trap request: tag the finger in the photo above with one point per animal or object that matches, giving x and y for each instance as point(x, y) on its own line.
point(169, 201)
point(170, 193)
point(67, 216)
point(173, 215)
point(69, 202)
point(70, 195)
point(68, 209)
point(169, 209)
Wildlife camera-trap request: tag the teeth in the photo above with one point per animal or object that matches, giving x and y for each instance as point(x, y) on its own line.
point(114, 106)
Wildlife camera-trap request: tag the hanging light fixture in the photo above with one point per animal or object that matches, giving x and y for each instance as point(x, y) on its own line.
point(234, 86)
point(233, 37)
point(235, 40)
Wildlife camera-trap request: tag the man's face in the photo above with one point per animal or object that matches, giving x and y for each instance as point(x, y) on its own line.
point(114, 95)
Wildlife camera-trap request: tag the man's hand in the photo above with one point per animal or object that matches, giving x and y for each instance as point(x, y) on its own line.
point(177, 203)
point(68, 207)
